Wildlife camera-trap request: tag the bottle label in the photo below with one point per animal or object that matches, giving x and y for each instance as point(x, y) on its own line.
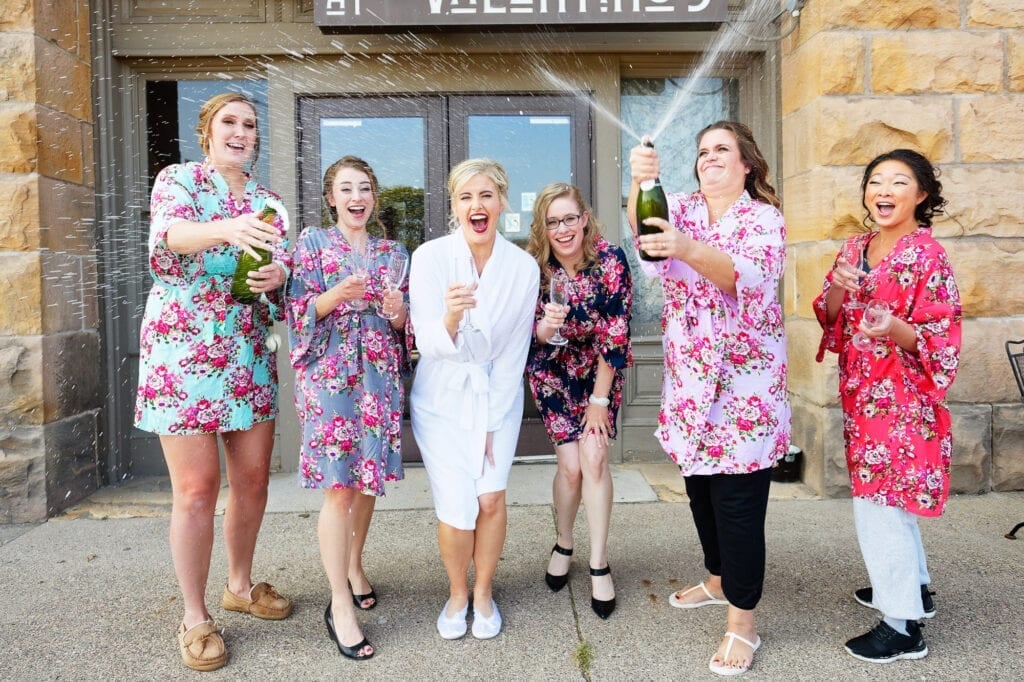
point(648, 185)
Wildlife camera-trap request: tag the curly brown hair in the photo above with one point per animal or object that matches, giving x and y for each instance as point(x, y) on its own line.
point(538, 245)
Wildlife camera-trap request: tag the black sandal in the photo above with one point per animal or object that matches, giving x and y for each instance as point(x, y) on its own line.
point(348, 651)
point(358, 599)
point(557, 582)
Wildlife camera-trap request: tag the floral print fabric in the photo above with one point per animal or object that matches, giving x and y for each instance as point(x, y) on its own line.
point(204, 363)
point(899, 440)
point(348, 369)
point(724, 407)
point(562, 377)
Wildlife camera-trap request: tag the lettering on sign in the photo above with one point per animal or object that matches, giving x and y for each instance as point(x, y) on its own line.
point(391, 15)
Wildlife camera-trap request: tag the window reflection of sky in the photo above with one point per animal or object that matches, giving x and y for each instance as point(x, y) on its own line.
point(393, 146)
point(535, 151)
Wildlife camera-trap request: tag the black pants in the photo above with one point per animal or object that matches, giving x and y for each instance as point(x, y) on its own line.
point(729, 512)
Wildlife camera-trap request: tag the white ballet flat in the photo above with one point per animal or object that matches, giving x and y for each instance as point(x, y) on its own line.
point(452, 628)
point(485, 628)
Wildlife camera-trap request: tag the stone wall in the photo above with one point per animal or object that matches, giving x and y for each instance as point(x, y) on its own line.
point(50, 359)
point(944, 77)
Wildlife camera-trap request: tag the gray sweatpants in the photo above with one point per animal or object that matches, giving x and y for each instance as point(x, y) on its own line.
point(890, 543)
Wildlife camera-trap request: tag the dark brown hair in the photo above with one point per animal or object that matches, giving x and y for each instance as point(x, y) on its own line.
point(757, 184)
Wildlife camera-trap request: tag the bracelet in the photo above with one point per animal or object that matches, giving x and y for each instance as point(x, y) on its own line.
point(601, 402)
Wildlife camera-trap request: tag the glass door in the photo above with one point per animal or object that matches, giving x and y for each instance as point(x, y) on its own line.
point(413, 141)
point(539, 139)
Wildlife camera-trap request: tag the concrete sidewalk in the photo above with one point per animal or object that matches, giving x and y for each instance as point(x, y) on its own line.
point(91, 595)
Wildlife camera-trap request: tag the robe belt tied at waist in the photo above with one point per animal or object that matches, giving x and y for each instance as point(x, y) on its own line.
point(470, 382)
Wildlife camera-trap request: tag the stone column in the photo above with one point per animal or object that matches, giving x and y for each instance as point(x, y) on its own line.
point(946, 78)
point(50, 359)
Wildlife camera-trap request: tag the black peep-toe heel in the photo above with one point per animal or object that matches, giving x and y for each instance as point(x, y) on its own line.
point(348, 651)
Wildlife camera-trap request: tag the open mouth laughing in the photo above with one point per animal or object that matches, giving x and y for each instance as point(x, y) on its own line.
point(479, 222)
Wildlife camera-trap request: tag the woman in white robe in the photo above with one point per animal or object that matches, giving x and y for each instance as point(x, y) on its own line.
point(472, 325)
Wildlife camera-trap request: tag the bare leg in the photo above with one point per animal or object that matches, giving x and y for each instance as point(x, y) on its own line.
point(362, 514)
point(194, 466)
point(334, 530)
point(741, 622)
point(248, 468)
point(456, 547)
point(491, 526)
point(565, 491)
point(597, 503)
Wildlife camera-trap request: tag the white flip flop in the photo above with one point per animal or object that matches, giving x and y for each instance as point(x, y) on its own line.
point(727, 671)
point(711, 600)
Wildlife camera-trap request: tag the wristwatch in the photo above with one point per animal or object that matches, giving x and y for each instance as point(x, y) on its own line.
point(603, 402)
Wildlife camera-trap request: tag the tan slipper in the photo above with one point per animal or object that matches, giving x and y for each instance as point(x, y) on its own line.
point(202, 647)
point(263, 602)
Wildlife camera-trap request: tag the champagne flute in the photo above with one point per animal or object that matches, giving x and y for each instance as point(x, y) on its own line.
point(466, 275)
point(874, 314)
point(357, 267)
point(559, 296)
point(394, 275)
point(854, 257)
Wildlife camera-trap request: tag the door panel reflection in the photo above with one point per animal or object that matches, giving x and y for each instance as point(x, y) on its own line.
point(535, 151)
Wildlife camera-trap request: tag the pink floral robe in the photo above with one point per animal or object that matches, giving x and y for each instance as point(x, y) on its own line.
point(724, 406)
point(895, 421)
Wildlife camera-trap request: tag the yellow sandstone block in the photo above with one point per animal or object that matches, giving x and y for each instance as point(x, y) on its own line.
point(995, 13)
point(936, 62)
point(992, 128)
point(828, 64)
point(19, 212)
point(20, 279)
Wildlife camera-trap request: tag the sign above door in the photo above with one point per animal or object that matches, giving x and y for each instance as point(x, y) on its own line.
point(337, 16)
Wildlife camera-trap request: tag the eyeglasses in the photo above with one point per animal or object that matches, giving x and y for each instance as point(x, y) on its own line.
point(569, 221)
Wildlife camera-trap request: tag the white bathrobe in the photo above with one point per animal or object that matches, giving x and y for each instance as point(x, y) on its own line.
point(474, 385)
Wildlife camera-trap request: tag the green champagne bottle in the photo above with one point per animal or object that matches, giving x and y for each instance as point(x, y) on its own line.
point(240, 291)
point(650, 203)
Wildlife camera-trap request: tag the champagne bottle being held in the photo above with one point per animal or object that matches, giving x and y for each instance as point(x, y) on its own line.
point(240, 291)
point(650, 203)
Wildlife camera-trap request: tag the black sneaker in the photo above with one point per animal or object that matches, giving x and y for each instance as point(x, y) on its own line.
point(864, 595)
point(884, 645)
